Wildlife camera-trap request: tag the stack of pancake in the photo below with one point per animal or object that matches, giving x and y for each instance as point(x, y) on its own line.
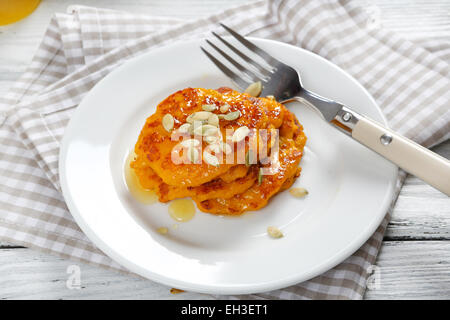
point(206, 174)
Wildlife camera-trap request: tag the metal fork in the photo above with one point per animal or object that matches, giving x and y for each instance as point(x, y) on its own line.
point(284, 83)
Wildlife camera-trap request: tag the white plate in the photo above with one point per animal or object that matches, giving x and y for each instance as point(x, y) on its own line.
point(349, 186)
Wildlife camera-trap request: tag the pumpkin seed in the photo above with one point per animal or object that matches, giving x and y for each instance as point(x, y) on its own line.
point(198, 116)
point(215, 147)
point(213, 120)
point(190, 143)
point(205, 130)
point(194, 126)
point(274, 232)
point(210, 159)
point(249, 158)
point(240, 134)
point(189, 118)
point(192, 154)
point(208, 131)
point(176, 291)
point(209, 107)
point(167, 122)
point(184, 128)
point(260, 176)
point(225, 147)
point(298, 192)
point(198, 131)
point(254, 89)
point(211, 139)
point(224, 108)
point(232, 115)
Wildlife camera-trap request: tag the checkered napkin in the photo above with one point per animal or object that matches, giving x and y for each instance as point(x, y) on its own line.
point(410, 82)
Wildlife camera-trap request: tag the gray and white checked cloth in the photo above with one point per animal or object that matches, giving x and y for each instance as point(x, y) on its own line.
point(410, 82)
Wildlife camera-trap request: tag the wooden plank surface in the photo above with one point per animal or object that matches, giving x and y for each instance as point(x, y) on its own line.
point(415, 259)
point(28, 274)
point(407, 270)
point(421, 212)
point(413, 270)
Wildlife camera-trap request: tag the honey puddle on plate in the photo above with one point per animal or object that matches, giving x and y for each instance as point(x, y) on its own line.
point(181, 210)
point(142, 195)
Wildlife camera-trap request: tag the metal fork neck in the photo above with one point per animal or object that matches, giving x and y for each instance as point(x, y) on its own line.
point(335, 113)
point(346, 120)
point(328, 108)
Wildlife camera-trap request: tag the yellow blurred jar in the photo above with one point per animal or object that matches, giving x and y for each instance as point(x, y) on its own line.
point(14, 10)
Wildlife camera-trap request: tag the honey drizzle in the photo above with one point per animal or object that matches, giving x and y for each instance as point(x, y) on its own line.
point(142, 195)
point(181, 210)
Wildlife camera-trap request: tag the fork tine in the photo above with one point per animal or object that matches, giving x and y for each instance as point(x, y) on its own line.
point(238, 66)
point(267, 57)
point(233, 76)
point(244, 57)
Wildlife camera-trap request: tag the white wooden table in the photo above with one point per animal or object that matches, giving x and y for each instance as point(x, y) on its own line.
point(415, 258)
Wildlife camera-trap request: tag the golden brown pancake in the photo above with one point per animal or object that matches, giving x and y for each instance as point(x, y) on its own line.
point(259, 194)
point(227, 188)
point(154, 146)
point(235, 182)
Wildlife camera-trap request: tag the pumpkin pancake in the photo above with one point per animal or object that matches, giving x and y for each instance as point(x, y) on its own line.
point(259, 194)
point(291, 144)
point(155, 144)
point(205, 174)
point(238, 179)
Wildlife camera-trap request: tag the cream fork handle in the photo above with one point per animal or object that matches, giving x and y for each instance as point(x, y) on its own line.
point(405, 153)
point(408, 155)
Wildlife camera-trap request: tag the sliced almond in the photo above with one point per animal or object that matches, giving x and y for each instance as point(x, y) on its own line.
point(210, 159)
point(232, 115)
point(274, 232)
point(190, 143)
point(224, 108)
point(254, 89)
point(298, 192)
point(240, 134)
point(209, 107)
point(192, 154)
point(271, 97)
point(167, 122)
point(213, 120)
point(163, 230)
point(184, 128)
